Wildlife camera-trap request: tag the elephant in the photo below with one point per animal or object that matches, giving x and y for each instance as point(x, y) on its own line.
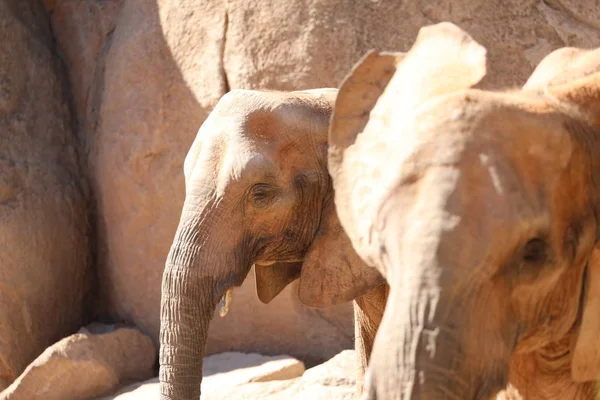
point(258, 192)
point(481, 210)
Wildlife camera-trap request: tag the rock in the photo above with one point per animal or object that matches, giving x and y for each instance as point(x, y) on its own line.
point(83, 366)
point(157, 87)
point(287, 46)
point(225, 370)
point(83, 31)
point(252, 376)
point(45, 253)
point(575, 22)
point(337, 372)
point(274, 390)
point(334, 379)
point(233, 369)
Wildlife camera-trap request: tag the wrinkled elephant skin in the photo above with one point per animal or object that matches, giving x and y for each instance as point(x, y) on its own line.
point(257, 193)
point(480, 209)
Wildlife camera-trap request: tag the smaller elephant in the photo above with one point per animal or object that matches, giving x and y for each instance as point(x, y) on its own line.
point(258, 193)
point(482, 211)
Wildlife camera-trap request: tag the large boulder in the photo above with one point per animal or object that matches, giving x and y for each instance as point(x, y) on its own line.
point(224, 370)
point(145, 74)
point(45, 262)
point(290, 45)
point(254, 377)
point(86, 365)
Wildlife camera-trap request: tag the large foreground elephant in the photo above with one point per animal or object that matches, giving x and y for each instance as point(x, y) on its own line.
point(481, 209)
point(257, 192)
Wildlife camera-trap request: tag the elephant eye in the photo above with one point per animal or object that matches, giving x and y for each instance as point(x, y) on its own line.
point(261, 195)
point(535, 251)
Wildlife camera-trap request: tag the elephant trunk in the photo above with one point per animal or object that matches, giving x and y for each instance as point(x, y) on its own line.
point(438, 339)
point(414, 357)
point(190, 294)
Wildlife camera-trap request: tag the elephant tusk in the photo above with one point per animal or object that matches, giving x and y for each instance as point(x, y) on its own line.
point(225, 302)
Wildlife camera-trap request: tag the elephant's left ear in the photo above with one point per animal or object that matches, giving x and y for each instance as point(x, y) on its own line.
point(585, 364)
point(272, 279)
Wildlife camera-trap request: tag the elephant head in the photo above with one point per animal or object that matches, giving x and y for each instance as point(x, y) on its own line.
point(481, 211)
point(257, 193)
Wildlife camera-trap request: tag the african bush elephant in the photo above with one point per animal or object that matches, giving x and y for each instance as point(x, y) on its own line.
point(481, 209)
point(257, 192)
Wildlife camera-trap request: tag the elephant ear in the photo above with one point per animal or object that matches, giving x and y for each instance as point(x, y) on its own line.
point(358, 94)
point(375, 100)
point(332, 272)
point(562, 66)
point(272, 279)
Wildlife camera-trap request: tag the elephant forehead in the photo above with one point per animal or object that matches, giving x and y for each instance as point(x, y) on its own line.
point(469, 130)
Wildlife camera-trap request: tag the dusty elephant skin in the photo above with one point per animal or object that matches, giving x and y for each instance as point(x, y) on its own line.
point(45, 263)
point(257, 191)
point(481, 210)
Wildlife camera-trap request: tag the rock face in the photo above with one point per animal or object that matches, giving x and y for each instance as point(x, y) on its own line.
point(145, 74)
point(85, 365)
point(251, 376)
point(45, 263)
point(144, 77)
point(291, 46)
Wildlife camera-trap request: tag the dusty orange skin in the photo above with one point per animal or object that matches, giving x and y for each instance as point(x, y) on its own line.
point(481, 210)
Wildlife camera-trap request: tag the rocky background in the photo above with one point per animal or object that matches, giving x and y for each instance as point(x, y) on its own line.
point(99, 102)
